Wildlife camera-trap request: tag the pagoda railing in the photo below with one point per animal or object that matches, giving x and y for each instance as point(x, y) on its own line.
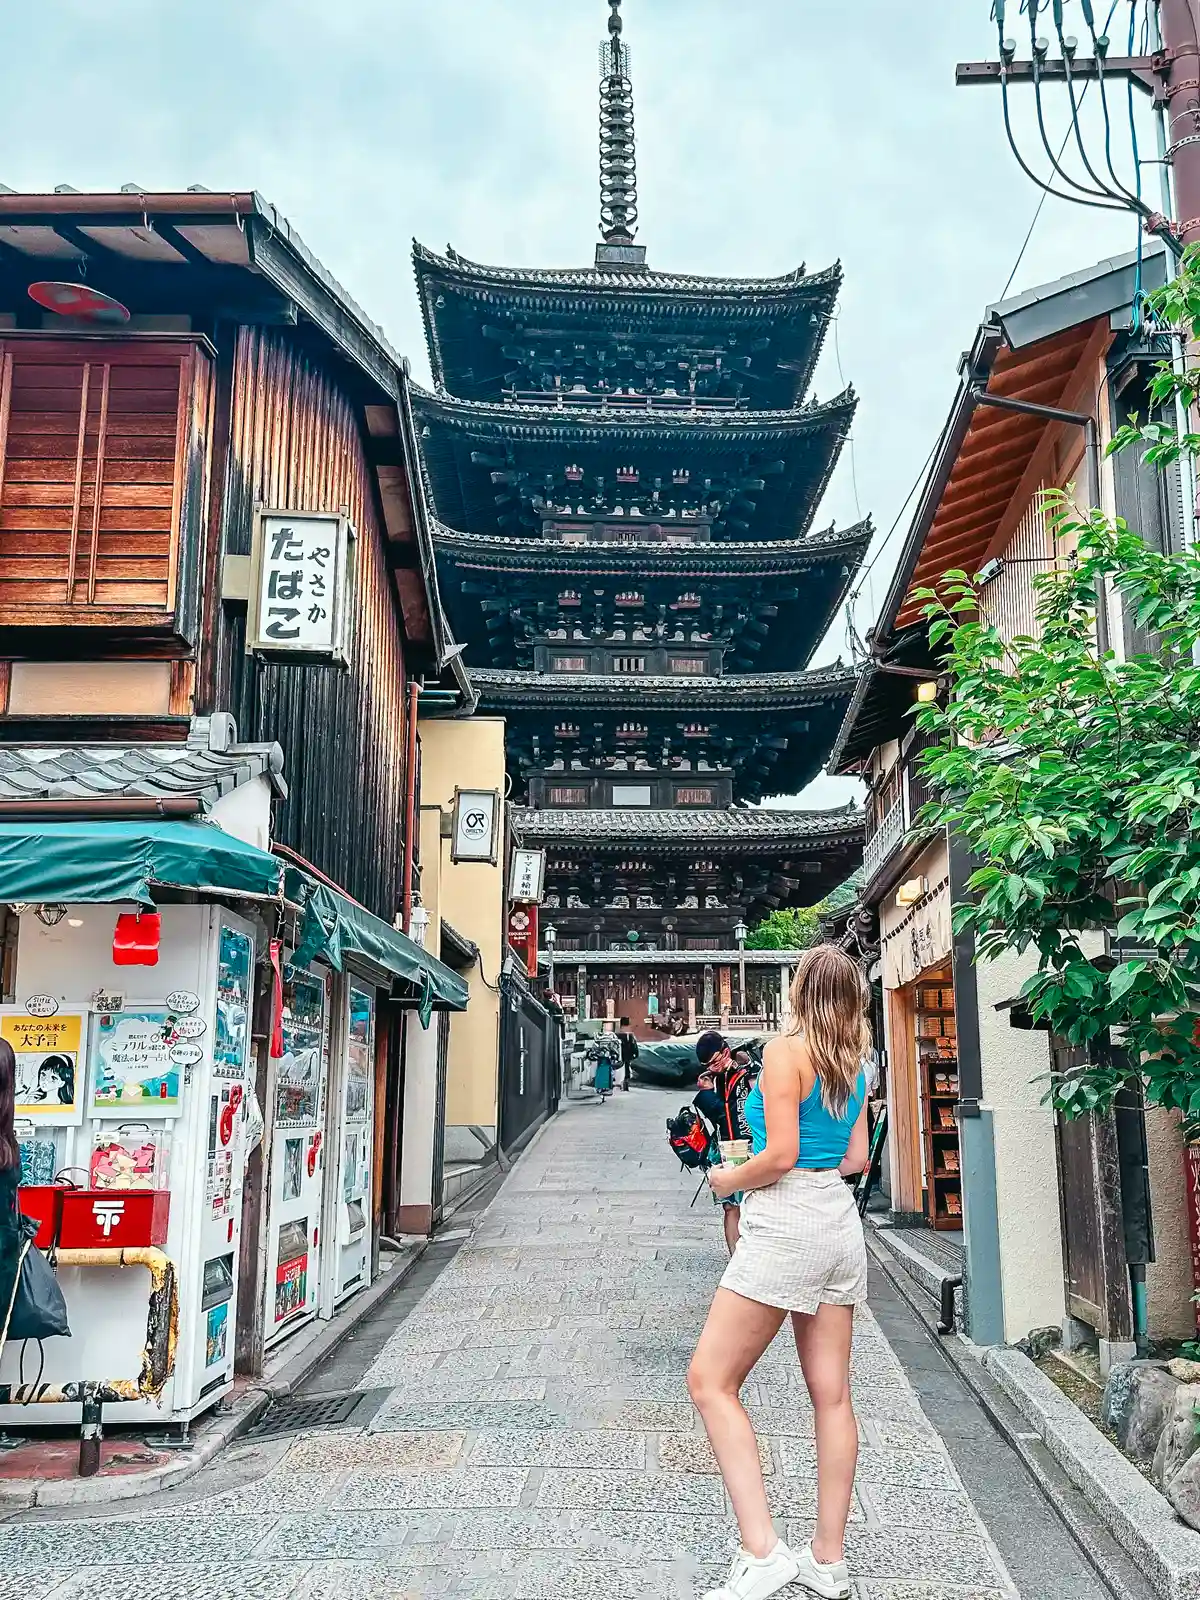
point(572, 400)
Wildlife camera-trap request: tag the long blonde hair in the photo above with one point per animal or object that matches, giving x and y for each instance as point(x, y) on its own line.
point(829, 999)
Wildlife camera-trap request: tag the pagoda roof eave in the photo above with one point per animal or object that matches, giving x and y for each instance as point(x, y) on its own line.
point(732, 558)
point(501, 689)
point(808, 440)
point(516, 421)
point(798, 284)
point(735, 830)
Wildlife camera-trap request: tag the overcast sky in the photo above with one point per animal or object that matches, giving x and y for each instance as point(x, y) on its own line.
point(770, 133)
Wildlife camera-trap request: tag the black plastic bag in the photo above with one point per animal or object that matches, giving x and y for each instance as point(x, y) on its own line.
point(39, 1310)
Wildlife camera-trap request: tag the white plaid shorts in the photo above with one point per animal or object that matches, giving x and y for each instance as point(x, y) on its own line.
point(801, 1245)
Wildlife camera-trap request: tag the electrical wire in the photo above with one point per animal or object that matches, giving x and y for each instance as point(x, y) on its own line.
point(1101, 191)
point(887, 538)
point(850, 437)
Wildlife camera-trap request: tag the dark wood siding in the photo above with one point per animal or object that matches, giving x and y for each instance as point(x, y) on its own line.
point(103, 454)
point(296, 442)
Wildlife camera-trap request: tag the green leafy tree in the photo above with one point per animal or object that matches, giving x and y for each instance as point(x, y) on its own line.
point(786, 930)
point(1074, 778)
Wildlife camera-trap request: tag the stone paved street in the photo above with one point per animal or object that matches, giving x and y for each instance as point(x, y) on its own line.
point(537, 1439)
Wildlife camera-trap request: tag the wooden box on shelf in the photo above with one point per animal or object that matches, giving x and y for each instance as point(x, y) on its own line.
point(937, 1048)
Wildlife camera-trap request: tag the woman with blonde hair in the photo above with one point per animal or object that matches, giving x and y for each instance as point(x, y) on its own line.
point(801, 1253)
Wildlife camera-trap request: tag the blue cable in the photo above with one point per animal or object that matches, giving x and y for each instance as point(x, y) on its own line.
point(1137, 169)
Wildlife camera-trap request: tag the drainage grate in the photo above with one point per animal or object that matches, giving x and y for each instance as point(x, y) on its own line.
point(303, 1415)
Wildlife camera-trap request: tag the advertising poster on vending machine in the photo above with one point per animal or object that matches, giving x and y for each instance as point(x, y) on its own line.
point(49, 1052)
point(133, 1064)
point(233, 1004)
point(360, 1065)
point(298, 1085)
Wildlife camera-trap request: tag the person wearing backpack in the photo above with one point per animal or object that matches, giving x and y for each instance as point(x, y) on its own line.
point(731, 1084)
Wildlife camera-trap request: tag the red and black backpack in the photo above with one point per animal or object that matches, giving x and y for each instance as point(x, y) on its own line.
point(688, 1137)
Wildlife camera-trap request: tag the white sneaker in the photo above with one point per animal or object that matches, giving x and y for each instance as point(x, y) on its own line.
point(753, 1578)
point(830, 1579)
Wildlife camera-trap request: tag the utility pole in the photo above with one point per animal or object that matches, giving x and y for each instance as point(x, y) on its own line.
point(1178, 68)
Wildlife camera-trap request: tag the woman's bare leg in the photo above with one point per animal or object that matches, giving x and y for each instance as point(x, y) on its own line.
point(823, 1342)
point(735, 1336)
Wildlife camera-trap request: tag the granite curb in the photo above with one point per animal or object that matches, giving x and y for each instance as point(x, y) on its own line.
point(1134, 1511)
point(220, 1428)
point(1150, 1550)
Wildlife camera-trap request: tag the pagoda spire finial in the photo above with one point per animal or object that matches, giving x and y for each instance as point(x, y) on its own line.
point(618, 152)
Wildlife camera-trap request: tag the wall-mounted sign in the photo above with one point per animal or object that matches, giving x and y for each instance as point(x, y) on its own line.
point(49, 1076)
point(181, 1000)
point(523, 935)
point(41, 1005)
point(106, 1003)
point(476, 819)
point(528, 876)
point(300, 585)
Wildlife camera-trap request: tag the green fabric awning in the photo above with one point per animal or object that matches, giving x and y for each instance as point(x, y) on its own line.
point(89, 861)
point(80, 861)
point(335, 927)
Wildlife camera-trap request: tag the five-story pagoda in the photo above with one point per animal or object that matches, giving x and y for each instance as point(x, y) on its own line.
point(626, 473)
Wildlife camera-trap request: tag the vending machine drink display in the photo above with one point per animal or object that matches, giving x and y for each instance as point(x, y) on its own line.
point(297, 1158)
point(132, 1106)
point(349, 1228)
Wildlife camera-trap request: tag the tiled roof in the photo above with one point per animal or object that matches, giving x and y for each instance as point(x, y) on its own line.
point(134, 771)
point(548, 421)
point(502, 686)
point(598, 280)
point(732, 826)
point(736, 557)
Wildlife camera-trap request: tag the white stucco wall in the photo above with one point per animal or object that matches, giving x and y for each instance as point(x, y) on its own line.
point(1015, 1067)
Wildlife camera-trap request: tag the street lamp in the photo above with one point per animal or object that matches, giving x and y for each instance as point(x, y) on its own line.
point(551, 941)
point(739, 933)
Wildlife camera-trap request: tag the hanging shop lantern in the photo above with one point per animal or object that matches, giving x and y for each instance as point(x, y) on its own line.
point(136, 939)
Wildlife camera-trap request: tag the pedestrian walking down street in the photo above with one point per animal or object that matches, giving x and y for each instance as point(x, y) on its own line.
point(10, 1178)
point(629, 1050)
point(801, 1253)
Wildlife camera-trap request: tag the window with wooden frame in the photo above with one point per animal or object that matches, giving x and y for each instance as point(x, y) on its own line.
point(101, 442)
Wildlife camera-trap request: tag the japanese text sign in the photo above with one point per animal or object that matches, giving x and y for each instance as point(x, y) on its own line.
point(301, 585)
point(528, 871)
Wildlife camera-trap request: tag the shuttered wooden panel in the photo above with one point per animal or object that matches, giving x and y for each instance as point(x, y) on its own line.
point(94, 437)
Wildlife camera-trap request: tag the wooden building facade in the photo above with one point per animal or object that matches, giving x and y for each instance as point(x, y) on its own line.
point(173, 369)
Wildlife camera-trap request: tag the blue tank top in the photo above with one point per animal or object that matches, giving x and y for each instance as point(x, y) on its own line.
point(824, 1138)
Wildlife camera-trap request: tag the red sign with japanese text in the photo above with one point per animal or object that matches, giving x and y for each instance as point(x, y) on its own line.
point(523, 934)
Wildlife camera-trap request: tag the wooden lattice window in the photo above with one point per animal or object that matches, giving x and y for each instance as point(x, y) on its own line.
point(695, 797)
point(569, 663)
point(697, 666)
point(569, 796)
point(631, 664)
point(95, 440)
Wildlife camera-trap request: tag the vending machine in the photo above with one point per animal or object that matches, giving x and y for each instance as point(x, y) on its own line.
point(134, 1094)
point(351, 1137)
point(294, 1218)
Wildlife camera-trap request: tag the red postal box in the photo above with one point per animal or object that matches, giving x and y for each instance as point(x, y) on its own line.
point(107, 1219)
point(42, 1201)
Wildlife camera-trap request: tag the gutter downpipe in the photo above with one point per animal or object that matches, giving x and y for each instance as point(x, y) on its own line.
point(113, 808)
point(410, 805)
point(1091, 439)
